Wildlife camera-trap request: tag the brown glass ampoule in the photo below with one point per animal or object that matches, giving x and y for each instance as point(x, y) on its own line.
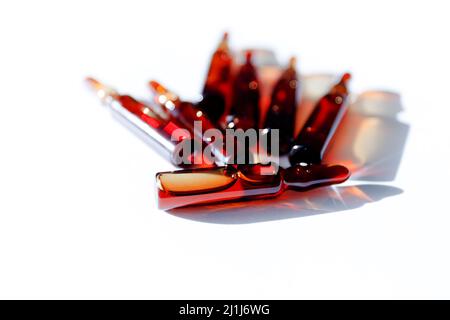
point(246, 97)
point(281, 114)
point(313, 139)
point(217, 89)
point(188, 114)
point(189, 187)
point(157, 131)
point(184, 111)
point(231, 183)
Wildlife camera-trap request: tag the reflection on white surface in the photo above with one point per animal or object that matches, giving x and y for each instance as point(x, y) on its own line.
point(289, 205)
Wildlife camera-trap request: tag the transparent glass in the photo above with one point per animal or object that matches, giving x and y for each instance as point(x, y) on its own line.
point(200, 186)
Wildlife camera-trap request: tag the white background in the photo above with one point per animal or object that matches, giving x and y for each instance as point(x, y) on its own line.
point(78, 217)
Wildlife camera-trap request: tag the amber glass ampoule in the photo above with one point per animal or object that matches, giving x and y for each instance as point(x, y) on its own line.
point(241, 182)
point(187, 115)
point(245, 98)
point(312, 141)
point(184, 111)
point(217, 89)
point(156, 130)
point(281, 114)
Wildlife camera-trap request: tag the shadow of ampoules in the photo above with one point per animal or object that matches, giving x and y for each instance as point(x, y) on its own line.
point(289, 205)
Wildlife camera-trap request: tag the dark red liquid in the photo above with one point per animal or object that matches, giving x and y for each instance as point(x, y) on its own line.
point(299, 177)
point(217, 90)
point(189, 117)
point(200, 186)
point(183, 112)
point(165, 129)
point(246, 96)
point(283, 106)
point(313, 139)
point(188, 114)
